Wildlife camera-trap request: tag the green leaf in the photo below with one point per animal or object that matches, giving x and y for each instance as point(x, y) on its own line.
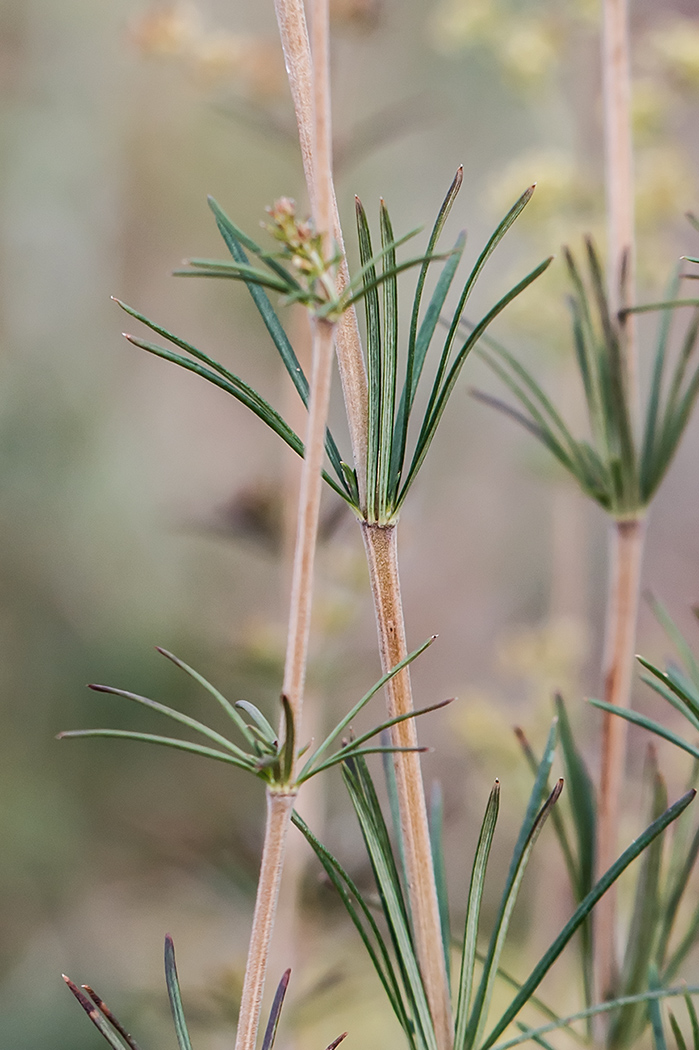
point(432, 418)
point(350, 750)
point(677, 1032)
point(176, 716)
point(365, 924)
point(374, 358)
point(644, 922)
point(473, 911)
point(366, 806)
point(389, 364)
point(656, 1019)
point(440, 872)
point(419, 344)
point(173, 991)
point(352, 714)
point(592, 1011)
point(693, 1020)
point(582, 911)
point(93, 1012)
point(267, 732)
point(676, 637)
point(219, 376)
point(647, 723)
point(581, 795)
point(230, 710)
point(275, 1012)
point(165, 741)
point(520, 859)
point(235, 240)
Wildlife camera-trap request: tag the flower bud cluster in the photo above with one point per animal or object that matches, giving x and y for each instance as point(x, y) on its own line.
point(303, 246)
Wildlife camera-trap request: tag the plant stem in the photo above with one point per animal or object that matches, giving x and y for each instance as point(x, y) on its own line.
point(299, 67)
point(280, 804)
point(619, 183)
point(307, 526)
point(279, 807)
point(381, 548)
point(626, 556)
point(627, 536)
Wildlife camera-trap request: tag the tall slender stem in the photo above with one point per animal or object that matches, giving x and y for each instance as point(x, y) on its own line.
point(381, 548)
point(280, 804)
point(626, 555)
point(279, 807)
point(299, 66)
point(627, 536)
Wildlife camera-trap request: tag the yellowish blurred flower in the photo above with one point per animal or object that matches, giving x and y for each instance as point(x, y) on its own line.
point(528, 52)
point(167, 29)
point(562, 189)
point(214, 56)
point(549, 657)
point(480, 720)
point(678, 47)
point(650, 105)
point(665, 186)
point(459, 23)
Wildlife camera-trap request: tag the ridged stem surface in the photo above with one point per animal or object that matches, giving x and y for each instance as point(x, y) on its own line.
point(626, 556)
point(279, 807)
point(382, 555)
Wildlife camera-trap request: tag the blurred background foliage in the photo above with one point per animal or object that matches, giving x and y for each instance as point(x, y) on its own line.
point(139, 507)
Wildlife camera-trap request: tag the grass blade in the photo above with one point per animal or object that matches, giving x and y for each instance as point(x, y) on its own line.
point(582, 911)
point(373, 828)
point(592, 1011)
point(360, 915)
point(165, 741)
point(644, 921)
point(432, 419)
point(173, 991)
point(389, 364)
point(114, 1022)
point(93, 1012)
point(440, 871)
point(275, 1012)
point(520, 859)
point(473, 911)
point(176, 716)
point(373, 339)
point(228, 707)
point(352, 714)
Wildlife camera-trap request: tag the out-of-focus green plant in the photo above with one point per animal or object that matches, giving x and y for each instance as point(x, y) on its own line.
point(614, 469)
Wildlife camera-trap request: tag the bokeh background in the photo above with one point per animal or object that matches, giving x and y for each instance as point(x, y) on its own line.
point(138, 506)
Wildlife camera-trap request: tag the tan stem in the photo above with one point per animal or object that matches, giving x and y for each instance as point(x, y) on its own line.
point(381, 549)
point(626, 556)
point(279, 807)
point(619, 172)
point(299, 66)
point(307, 526)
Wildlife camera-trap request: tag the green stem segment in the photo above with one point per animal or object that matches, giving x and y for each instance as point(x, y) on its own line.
point(626, 557)
point(380, 543)
point(279, 809)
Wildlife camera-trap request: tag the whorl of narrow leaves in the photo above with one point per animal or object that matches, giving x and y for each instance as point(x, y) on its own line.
point(617, 469)
point(266, 753)
point(298, 272)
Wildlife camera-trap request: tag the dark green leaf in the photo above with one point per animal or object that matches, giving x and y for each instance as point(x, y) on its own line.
point(173, 991)
point(581, 913)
